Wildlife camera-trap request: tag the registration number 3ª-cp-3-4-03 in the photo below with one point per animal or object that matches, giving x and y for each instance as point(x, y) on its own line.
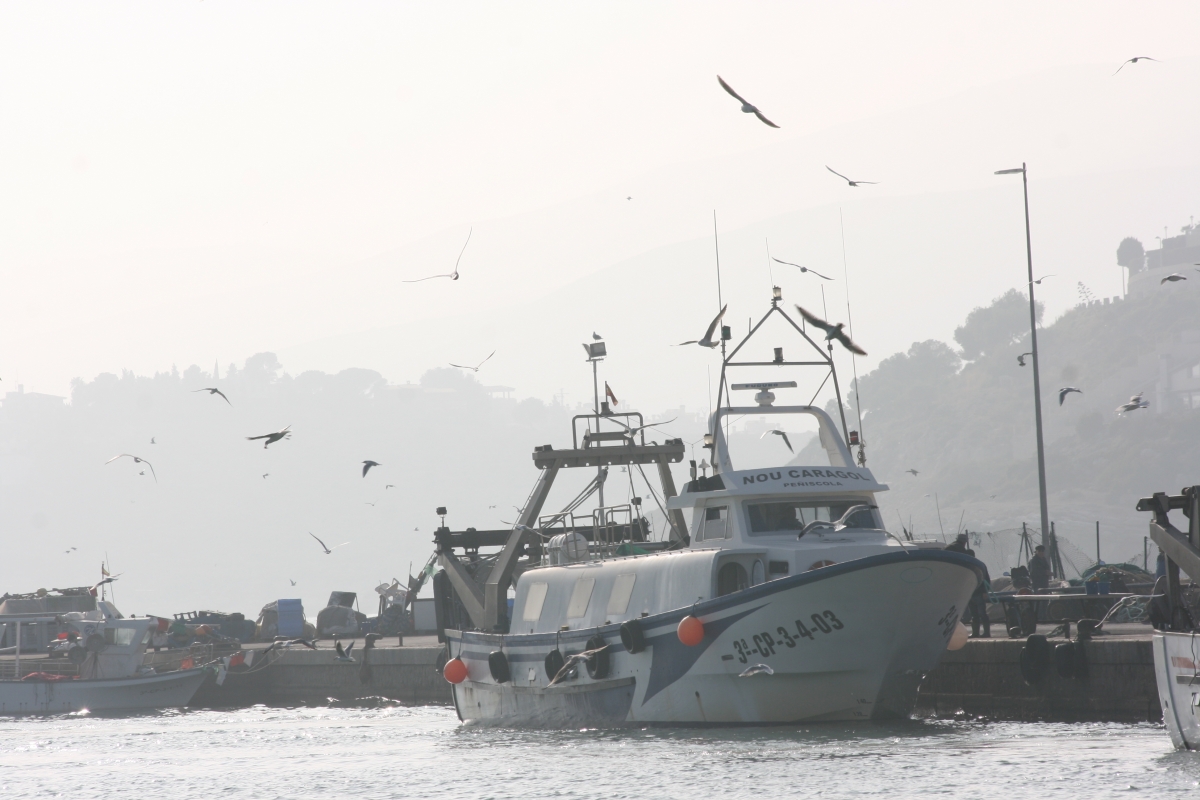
point(765, 642)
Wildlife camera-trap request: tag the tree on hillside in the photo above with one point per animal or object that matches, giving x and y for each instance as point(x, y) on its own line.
point(1131, 254)
point(995, 327)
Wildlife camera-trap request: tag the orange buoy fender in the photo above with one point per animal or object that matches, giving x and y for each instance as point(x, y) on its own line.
point(690, 630)
point(455, 670)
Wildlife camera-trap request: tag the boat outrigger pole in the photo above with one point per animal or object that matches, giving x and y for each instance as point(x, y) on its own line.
point(1181, 549)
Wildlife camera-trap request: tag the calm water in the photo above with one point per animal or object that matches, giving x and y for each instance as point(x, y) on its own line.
point(423, 752)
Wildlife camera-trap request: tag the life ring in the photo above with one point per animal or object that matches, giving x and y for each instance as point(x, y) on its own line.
point(554, 663)
point(599, 664)
point(632, 637)
point(1035, 657)
point(498, 666)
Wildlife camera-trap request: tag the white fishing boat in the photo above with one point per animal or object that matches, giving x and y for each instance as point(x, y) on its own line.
point(111, 674)
point(1176, 640)
point(784, 600)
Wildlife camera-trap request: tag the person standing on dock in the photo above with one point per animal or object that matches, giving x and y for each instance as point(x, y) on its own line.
point(977, 605)
point(1039, 569)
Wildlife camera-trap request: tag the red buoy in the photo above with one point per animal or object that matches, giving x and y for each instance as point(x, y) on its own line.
point(690, 630)
point(455, 670)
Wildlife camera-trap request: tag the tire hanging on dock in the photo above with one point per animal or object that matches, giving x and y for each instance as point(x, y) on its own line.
point(1035, 657)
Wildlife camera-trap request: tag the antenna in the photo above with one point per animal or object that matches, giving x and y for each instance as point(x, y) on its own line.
point(770, 269)
point(862, 447)
point(717, 249)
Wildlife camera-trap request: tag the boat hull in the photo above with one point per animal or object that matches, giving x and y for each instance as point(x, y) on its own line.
point(846, 642)
point(1177, 671)
point(167, 690)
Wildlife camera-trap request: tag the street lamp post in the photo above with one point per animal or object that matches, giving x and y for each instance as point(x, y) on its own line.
point(1037, 386)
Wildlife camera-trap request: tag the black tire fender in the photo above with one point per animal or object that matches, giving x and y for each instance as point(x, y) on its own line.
point(632, 636)
point(598, 666)
point(1035, 657)
point(498, 666)
point(1064, 659)
point(554, 663)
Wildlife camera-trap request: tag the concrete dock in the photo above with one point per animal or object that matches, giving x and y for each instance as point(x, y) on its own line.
point(984, 679)
point(298, 676)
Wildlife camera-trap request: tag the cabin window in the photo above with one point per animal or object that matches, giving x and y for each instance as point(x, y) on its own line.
point(768, 519)
point(715, 524)
point(731, 578)
point(581, 595)
point(618, 601)
point(120, 637)
point(534, 601)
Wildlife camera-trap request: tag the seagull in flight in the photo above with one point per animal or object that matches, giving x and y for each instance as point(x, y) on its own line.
point(323, 547)
point(451, 275)
point(1174, 276)
point(634, 430)
point(782, 435)
point(109, 579)
point(913, 472)
point(367, 466)
point(756, 669)
point(1021, 359)
point(573, 660)
point(152, 440)
point(1134, 60)
point(293, 582)
point(265, 474)
point(1066, 390)
point(136, 460)
point(802, 269)
point(1039, 280)
point(832, 331)
point(368, 503)
point(390, 486)
point(344, 655)
point(747, 108)
point(1134, 404)
point(213, 391)
point(480, 364)
point(271, 438)
point(707, 341)
point(847, 180)
point(289, 643)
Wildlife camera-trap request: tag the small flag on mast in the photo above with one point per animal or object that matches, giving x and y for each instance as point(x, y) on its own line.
point(609, 394)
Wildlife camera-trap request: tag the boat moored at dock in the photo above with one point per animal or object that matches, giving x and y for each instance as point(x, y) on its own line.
point(784, 600)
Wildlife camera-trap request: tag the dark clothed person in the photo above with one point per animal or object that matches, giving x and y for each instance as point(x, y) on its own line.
point(1039, 570)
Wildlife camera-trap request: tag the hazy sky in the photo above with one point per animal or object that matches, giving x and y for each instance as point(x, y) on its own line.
point(175, 175)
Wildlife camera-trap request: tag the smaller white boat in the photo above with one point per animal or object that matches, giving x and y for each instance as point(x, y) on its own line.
point(111, 675)
point(1176, 639)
